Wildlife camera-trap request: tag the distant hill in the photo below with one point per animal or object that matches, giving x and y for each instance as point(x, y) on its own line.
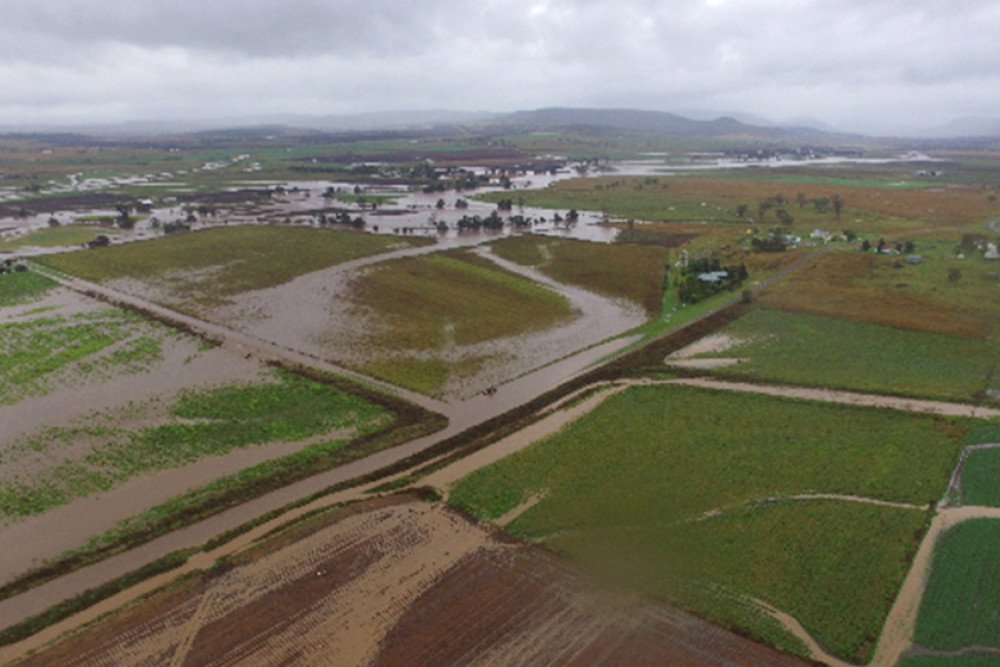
point(967, 127)
point(663, 123)
point(634, 120)
point(747, 129)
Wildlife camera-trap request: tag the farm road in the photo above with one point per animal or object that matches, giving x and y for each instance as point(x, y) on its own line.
point(847, 398)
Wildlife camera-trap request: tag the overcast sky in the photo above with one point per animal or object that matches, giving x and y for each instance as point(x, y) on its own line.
point(857, 64)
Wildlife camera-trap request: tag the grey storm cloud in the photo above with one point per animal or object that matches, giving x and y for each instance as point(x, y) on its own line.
point(123, 59)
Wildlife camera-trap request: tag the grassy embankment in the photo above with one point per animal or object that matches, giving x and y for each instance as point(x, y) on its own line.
point(627, 488)
point(423, 310)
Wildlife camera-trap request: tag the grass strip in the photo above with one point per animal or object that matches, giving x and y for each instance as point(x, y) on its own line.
point(91, 597)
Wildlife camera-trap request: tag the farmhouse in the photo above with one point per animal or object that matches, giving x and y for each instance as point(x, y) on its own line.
point(713, 277)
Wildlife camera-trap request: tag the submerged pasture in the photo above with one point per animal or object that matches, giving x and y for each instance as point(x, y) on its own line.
point(617, 271)
point(105, 450)
point(426, 316)
point(203, 268)
point(687, 494)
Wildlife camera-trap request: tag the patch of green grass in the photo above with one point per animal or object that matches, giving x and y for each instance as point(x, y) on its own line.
point(740, 614)
point(23, 287)
point(242, 258)
point(422, 375)
point(979, 478)
point(367, 198)
point(835, 566)
point(815, 350)
point(648, 462)
point(985, 434)
point(619, 271)
point(961, 605)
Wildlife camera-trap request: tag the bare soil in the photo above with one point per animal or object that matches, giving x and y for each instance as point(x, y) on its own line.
point(400, 581)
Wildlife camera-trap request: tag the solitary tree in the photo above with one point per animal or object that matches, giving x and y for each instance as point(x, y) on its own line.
point(838, 204)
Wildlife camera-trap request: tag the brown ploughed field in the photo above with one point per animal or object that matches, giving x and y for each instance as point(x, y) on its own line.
point(400, 581)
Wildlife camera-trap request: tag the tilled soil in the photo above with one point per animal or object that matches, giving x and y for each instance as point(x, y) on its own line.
point(401, 581)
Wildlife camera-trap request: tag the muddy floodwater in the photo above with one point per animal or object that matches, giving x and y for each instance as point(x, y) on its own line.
point(412, 213)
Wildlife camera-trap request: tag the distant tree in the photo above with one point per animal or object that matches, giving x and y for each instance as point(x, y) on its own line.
point(838, 204)
point(954, 275)
point(440, 204)
point(800, 199)
point(461, 204)
point(865, 246)
point(54, 222)
point(763, 206)
point(741, 210)
point(784, 218)
point(572, 215)
point(124, 220)
point(909, 247)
